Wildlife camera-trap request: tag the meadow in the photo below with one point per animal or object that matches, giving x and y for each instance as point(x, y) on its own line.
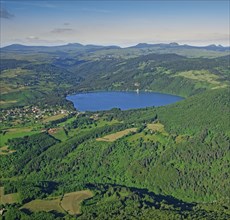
point(117, 135)
point(10, 198)
point(68, 203)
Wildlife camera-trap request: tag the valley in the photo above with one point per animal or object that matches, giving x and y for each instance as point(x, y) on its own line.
point(167, 162)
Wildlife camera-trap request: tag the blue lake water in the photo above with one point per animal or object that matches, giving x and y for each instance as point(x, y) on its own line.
point(96, 101)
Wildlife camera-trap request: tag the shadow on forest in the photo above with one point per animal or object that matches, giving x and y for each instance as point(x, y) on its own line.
point(158, 199)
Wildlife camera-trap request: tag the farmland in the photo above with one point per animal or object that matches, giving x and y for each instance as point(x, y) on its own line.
point(15, 133)
point(117, 135)
point(156, 127)
point(44, 205)
point(70, 202)
point(8, 198)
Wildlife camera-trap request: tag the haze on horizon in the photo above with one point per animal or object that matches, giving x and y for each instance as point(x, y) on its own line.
point(122, 23)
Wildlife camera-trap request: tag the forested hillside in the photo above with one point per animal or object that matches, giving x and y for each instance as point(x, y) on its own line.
point(169, 162)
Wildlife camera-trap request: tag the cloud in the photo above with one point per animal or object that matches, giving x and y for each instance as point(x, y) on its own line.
point(5, 14)
point(33, 38)
point(39, 41)
point(61, 30)
point(66, 24)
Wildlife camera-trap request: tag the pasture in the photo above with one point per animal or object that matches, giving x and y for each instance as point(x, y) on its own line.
point(206, 78)
point(14, 133)
point(8, 198)
point(157, 127)
point(54, 117)
point(117, 135)
point(44, 205)
point(70, 202)
point(58, 133)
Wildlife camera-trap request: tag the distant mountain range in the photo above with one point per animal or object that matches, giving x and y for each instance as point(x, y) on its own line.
point(67, 47)
point(77, 46)
point(176, 45)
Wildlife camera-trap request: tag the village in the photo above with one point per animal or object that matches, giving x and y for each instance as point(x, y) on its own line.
point(32, 114)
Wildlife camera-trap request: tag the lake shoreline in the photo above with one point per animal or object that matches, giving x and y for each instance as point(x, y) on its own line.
point(130, 90)
point(106, 100)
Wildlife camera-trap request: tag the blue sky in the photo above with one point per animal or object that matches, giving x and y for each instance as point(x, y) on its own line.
point(118, 22)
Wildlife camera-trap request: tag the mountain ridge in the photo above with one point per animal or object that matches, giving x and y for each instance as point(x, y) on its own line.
point(139, 45)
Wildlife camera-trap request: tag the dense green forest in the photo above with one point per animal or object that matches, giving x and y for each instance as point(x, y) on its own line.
point(173, 165)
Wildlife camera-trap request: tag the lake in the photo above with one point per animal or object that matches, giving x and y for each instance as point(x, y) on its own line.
point(96, 101)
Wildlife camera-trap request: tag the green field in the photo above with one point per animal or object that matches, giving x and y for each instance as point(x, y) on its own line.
point(204, 78)
point(15, 133)
point(54, 117)
point(157, 127)
point(8, 198)
point(117, 135)
point(44, 205)
point(70, 202)
point(58, 133)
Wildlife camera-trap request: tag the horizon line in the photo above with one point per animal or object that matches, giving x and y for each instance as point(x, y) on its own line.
point(113, 45)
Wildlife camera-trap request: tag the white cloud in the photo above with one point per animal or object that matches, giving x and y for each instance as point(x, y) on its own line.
point(61, 30)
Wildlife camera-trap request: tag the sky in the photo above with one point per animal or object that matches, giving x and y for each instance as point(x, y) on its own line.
point(122, 23)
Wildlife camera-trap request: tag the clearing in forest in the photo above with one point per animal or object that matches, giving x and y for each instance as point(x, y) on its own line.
point(8, 198)
point(205, 77)
point(157, 127)
point(117, 135)
point(4, 150)
point(44, 205)
point(15, 133)
point(71, 202)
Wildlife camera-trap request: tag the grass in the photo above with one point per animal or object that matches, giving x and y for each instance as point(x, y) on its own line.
point(15, 133)
point(12, 73)
point(7, 85)
point(7, 102)
point(157, 127)
point(44, 205)
point(1, 194)
point(180, 138)
point(68, 121)
point(71, 202)
point(100, 123)
point(142, 135)
point(204, 76)
point(117, 135)
point(8, 198)
point(58, 133)
point(4, 150)
point(54, 117)
point(153, 132)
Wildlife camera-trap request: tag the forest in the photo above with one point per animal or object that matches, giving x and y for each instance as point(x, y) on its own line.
point(173, 164)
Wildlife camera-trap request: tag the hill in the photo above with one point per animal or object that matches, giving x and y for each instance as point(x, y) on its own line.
point(170, 162)
point(180, 168)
